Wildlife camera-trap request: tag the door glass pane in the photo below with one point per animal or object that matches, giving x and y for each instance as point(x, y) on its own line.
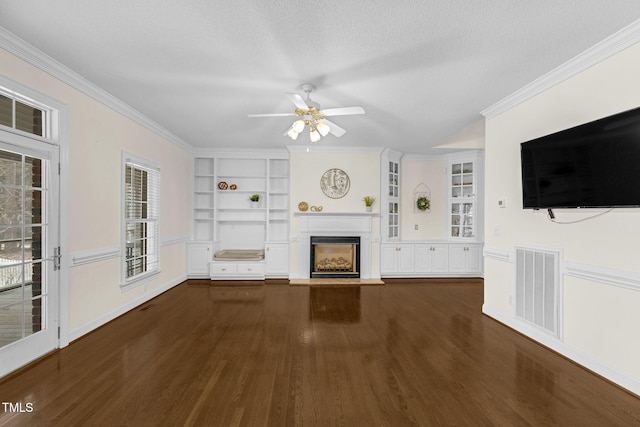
point(10, 168)
point(10, 244)
point(33, 316)
point(32, 243)
point(33, 172)
point(22, 292)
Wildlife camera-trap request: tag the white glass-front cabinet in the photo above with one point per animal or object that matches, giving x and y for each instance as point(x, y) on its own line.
point(464, 199)
point(390, 188)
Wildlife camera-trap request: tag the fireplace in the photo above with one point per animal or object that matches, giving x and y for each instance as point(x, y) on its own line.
point(336, 224)
point(334, 256)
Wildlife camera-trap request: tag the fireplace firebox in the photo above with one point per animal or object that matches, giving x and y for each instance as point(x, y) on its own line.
point(335, 256)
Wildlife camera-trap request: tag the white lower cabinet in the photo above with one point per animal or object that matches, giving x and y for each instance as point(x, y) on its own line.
point(397, 258)
point(465, 258)
point(199, 255)
point(276, 257)
point(430, 259)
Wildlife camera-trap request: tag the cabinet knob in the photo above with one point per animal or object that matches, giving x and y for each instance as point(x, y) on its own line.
point(224, 269)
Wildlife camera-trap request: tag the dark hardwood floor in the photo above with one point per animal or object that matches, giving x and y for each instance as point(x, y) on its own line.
point(408, 353)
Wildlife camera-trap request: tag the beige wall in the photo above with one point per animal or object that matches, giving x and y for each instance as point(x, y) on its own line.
point(97, 138)
point(432, 172)
point(600, 320)
point(364, 173)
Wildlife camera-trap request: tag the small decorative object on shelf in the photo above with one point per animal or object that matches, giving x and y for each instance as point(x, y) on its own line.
point(223, 185)
point(423, 203)
point(316, 208)
point(303, 206)
point(368, 202)
point(233, 187)
point(255, 200)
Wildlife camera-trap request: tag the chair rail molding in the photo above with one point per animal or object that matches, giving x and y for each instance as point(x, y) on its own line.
point(497, 254)
point(94, 255)
point(607, 276)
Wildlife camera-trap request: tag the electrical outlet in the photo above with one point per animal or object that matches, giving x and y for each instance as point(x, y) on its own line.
point(510, 300)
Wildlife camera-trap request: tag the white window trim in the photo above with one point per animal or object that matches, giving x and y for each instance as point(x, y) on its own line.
point(139, 279)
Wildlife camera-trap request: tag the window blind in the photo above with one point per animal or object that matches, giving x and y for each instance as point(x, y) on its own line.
point(142, 220)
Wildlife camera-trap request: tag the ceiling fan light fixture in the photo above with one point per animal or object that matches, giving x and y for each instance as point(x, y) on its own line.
point(323, 129)
point(314, 134)
point(292, 133)
point(298, 125)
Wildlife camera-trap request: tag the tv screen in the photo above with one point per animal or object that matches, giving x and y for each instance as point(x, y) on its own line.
point(596, 164)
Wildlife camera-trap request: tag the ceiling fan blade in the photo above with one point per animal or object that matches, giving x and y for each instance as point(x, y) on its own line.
point(342, 111)
point(334, 128)
point(298, 101)
point(273, 115)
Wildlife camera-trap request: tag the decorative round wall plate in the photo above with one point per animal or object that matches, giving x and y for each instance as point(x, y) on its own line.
point(335, 183)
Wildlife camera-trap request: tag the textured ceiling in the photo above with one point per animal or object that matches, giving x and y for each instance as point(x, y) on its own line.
point(423, 70)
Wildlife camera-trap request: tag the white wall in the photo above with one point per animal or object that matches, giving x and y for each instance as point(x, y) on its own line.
point(600, 317)
point(97, 137)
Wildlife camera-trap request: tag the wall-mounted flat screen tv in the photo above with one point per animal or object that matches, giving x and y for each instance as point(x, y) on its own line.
point(593, 165)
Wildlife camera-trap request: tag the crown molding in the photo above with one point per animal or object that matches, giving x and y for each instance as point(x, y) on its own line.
point(608, 47)
point(30, 54)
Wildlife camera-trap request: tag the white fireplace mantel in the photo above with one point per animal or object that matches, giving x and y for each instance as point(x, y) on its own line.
point(350, 224)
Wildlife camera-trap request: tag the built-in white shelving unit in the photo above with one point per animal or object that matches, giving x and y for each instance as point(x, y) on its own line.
point(225, 218)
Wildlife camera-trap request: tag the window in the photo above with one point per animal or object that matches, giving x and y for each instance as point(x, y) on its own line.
point(22, 114)
point(141, 228)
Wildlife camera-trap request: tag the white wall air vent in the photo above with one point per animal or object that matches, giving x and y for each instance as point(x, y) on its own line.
point(537, 287)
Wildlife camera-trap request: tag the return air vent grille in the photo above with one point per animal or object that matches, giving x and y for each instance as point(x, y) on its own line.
point(537, 281)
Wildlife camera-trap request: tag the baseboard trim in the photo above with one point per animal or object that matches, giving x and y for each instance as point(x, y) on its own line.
point(107, 317)
point(612, 374)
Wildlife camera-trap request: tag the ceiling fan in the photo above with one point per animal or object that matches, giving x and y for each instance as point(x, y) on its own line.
point(309, 114)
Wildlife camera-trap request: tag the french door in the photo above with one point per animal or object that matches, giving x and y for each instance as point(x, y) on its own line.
point(29, 250)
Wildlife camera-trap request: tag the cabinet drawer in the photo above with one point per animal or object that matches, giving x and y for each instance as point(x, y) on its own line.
point(250, 269)
point(223, 269)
